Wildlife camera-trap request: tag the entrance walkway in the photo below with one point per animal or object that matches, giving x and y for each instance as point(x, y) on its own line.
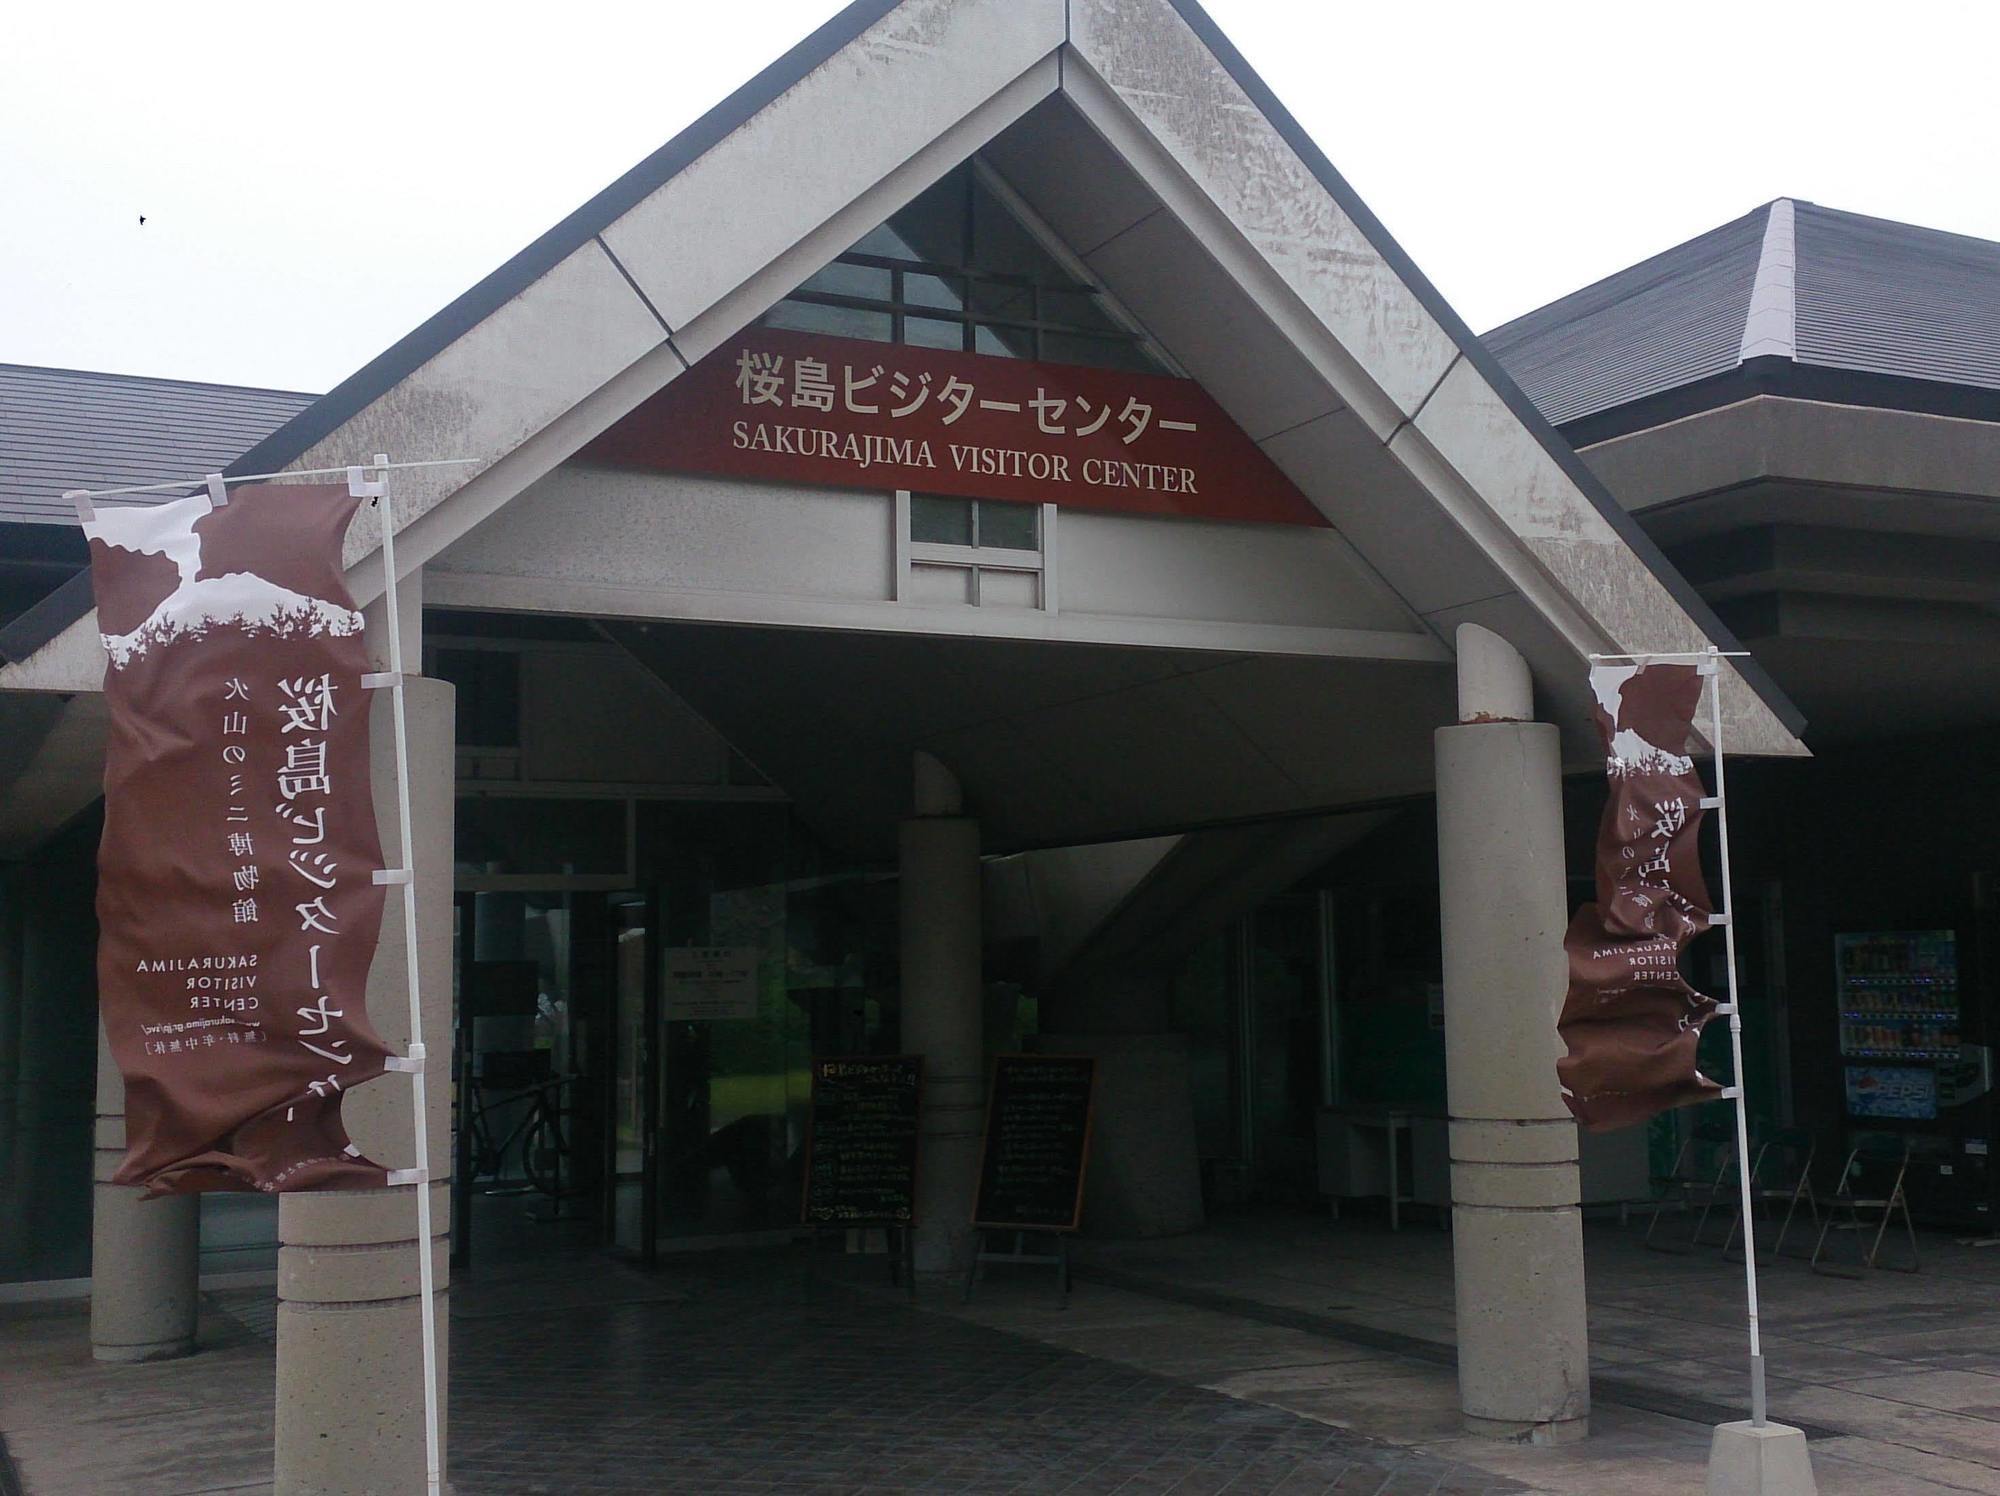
point(714, 1375)
point(1277, 1354)
point(1895, 1377)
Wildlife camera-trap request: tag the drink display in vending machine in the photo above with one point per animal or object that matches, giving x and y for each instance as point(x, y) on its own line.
point(1908, 1067)
point(1899, 1007)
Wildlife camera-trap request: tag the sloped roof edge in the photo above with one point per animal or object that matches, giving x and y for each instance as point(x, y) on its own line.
point(1489, 367)
point(71, 601)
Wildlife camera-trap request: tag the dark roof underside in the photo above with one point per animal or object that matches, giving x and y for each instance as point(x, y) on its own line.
point(63, 428)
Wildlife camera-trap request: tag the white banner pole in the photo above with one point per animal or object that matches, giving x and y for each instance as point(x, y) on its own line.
point(406, 877)
point(1712, 668)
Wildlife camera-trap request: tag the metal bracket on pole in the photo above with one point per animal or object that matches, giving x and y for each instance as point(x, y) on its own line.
point(377, 680)
point(391, 876)
point(218, 491)
point(410, 1176)
point(86, 512)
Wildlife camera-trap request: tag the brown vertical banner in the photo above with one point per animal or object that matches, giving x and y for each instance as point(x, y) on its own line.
point(1630, 1019)
point(236, 898)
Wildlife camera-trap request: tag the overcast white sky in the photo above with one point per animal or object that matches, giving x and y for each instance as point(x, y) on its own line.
point(317, 180)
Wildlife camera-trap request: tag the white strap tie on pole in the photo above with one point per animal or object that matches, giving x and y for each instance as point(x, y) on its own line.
point(361, 486)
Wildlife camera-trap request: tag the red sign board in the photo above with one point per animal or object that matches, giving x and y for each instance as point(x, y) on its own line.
point(796, 407)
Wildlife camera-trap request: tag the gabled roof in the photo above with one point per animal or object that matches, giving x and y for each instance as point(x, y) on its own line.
point(675, 239)
point(1792, 298)
point(68, 428)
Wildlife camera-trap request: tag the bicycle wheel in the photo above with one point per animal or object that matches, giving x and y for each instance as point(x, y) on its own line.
point(542, 1151)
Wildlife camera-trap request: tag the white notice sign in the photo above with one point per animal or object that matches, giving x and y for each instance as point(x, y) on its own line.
point(707, 982)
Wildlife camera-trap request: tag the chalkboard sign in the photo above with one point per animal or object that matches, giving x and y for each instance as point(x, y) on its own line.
point(861, 1155)
point(1037, 1140)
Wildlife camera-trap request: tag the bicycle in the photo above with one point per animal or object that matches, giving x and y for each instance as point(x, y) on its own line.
point(539, 1131)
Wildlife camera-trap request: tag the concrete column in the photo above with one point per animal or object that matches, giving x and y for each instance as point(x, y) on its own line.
point(143, 1253)
point(943, 1011)
point(350, 1360)
point(1517, 1245)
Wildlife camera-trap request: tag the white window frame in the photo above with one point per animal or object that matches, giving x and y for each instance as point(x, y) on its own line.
point(975, 559)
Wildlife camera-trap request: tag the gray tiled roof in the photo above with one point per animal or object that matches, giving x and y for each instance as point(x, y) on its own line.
point(1663, 322)
point(1890, 298)
point(1868, 297)
point(65, 428)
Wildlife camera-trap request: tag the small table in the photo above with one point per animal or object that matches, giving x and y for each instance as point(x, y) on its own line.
point(1361, 1154)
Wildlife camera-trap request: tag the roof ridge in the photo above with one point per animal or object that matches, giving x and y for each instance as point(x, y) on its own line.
point(1771, 321)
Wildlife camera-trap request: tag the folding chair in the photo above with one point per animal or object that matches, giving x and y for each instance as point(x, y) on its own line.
point(1780, 1170)
point(1871, 1181)
point(1700, 1170)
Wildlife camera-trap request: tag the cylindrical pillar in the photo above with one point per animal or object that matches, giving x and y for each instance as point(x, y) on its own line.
point(1517, 1245)
point(350, 1358)
point(943, 1017)
point(143, 1253)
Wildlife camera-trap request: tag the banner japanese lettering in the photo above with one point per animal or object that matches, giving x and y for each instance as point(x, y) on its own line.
point(237, 907)
point(1631, 1020)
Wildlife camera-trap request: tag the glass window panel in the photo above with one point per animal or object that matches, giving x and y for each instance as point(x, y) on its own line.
point(839, 321)
point(939, 521)
point(933, 332)
point(1012, 526)
point(999, 243)
point(1078, 309)
point(508, 835)
point(1098, 353)
point(941, 584)
point(1003, 299)
point(931, 228)
point(851, 280)
point(1005, 342)
point(488, 683)
point(946, 292)
point(1009, 589)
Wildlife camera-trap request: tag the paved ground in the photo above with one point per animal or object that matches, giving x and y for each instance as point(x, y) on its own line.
point(715, 1376)
point(1895, 1376)
point(1275, 1355)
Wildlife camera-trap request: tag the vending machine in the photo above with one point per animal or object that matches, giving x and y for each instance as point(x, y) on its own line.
point(1909, 1070)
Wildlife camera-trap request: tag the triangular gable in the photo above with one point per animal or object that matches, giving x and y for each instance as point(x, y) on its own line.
point(654, 273)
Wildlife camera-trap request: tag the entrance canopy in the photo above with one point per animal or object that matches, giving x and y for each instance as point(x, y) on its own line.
point(1194, 670)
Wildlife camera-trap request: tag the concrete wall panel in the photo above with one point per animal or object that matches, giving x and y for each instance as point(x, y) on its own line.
point(1236, 573)
point(1158, 67)
point(653, 530)
point(809, 153)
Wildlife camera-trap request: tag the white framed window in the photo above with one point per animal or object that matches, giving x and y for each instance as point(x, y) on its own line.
point(979, 553)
